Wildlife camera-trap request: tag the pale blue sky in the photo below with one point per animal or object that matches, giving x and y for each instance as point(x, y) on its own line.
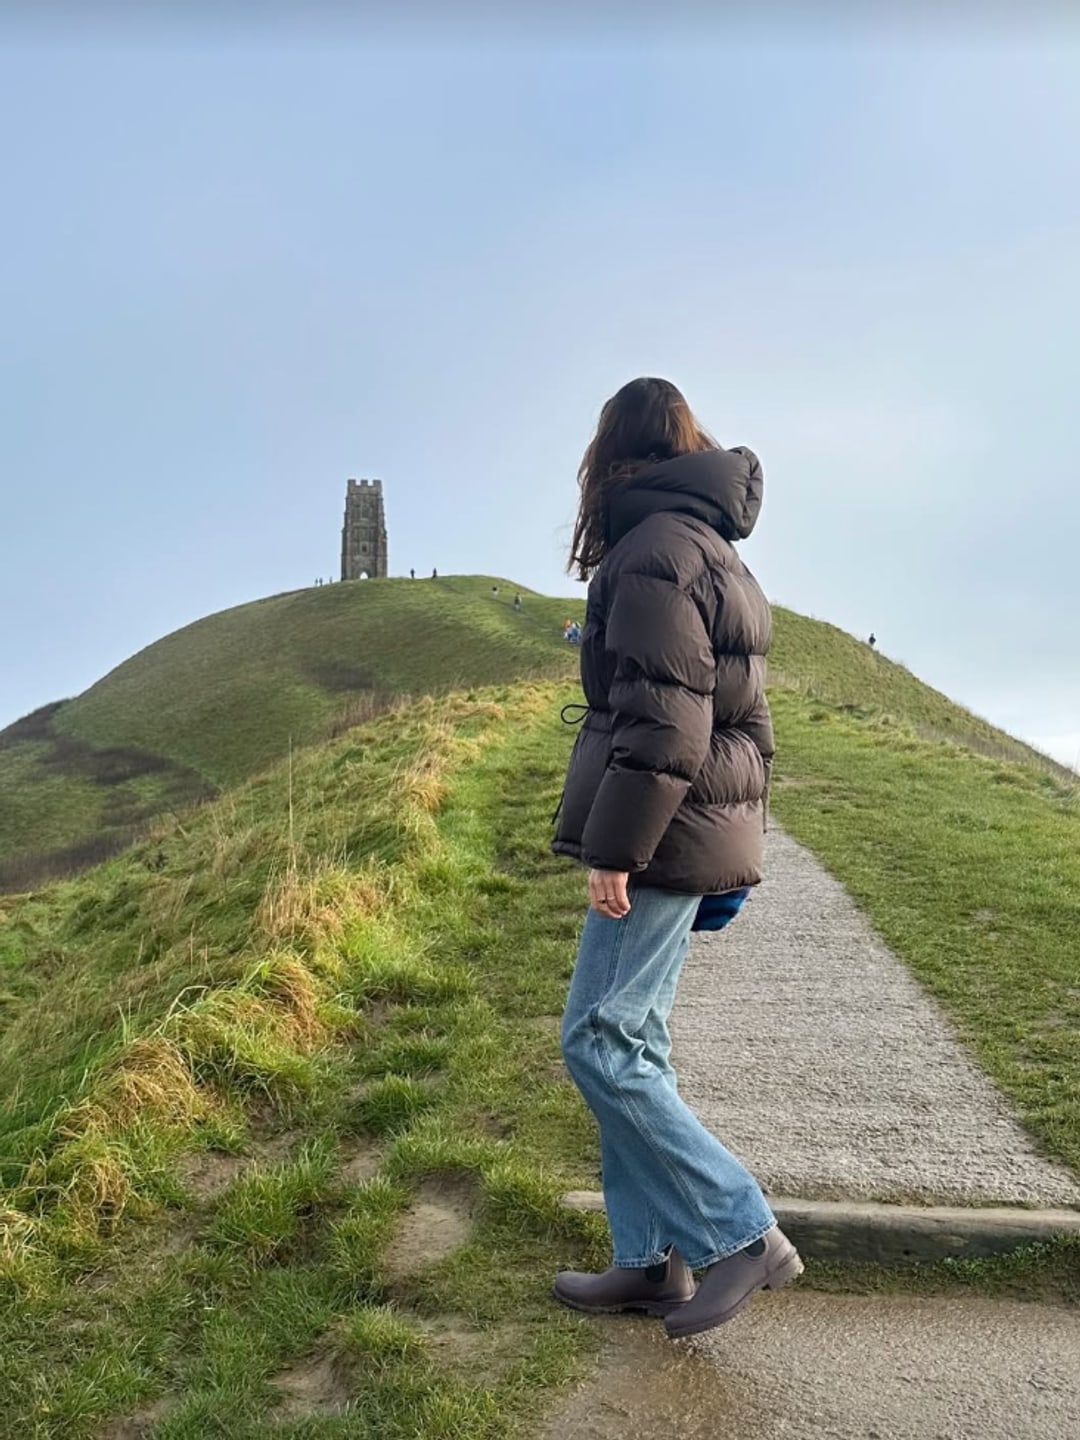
point(236, 269)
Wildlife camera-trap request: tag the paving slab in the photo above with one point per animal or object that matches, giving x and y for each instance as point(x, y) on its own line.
point(838, 1367)
point(808, 1048)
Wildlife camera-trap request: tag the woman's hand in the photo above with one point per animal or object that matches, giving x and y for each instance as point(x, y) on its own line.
point(607, 893)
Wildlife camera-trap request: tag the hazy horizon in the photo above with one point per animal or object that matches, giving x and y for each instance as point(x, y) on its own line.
point(242, 268)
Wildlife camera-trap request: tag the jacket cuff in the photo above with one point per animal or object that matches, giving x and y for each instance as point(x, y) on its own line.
point(629, 816)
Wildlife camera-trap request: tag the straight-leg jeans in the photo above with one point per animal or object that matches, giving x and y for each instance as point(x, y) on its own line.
point(667, 1180)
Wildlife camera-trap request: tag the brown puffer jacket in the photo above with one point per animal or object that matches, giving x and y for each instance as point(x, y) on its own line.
point(669, 775)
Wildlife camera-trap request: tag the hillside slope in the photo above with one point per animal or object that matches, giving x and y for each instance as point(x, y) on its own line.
point(250, 1065)
point(826, 663)
point(227, 696)
point(228, 1081)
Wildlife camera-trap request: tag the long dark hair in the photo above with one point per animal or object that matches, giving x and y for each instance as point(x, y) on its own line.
point(646, 421)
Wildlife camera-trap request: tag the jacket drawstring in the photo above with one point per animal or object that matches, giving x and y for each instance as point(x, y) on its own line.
point(568, 719)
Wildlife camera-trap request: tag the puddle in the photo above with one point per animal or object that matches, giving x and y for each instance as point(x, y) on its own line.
point(646, 1386)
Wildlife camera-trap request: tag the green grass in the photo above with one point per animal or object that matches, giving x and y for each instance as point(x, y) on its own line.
point(361, 954)
point(1048, 1271)
point(825, 663)
point(53, 807)
point(228, 696)
point(225, 695)
point(65, 804)
point(386, 977)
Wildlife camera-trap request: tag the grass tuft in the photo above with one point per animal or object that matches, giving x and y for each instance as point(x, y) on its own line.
point(149, 1083)
point(270, 1214)
point(391, 1104)
point(383, 1338)
point(357, 1239)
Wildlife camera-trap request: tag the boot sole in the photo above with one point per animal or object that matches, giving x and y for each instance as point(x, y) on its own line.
point(658, 1308)
point(787, 1271)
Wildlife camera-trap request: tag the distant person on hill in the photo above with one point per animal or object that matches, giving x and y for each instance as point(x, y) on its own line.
point(664, 802)
point(434, 573)
point(494, 591)
point(412, 574)
point(873, 641)
point(517, 602)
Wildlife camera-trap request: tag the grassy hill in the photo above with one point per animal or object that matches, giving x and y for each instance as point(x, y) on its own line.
point(226, 697)
point(826, 663)
point(283, 1128)
point(282, 1122)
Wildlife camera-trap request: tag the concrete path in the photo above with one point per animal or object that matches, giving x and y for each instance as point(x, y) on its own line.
point(807, 1047)
point(837, 1367)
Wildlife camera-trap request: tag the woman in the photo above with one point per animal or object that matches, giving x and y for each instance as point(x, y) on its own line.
point(665, 803)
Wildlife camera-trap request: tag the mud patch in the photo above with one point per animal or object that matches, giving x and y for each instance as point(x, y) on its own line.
point(273, 1149)
point(207, 1173)
point(361, 1163)
point(451, 1339)
point(176, 1240)
point(551, 1071)
point(483, 1356)
point(147, 1254)
point(136, 1426)
point(495, 1125)
point(316, 1386)
point(439, 1219)
point(645, 1385)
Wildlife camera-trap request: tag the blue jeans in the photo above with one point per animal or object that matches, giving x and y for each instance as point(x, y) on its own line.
point(667, 1181)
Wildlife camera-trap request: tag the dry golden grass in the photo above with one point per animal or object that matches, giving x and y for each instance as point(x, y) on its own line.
point(304, 911)
point(151, 1082)
point(224, 1029)
point(297, 993)
point(261, 1014)
point(97, 1186)
point(16, 1235)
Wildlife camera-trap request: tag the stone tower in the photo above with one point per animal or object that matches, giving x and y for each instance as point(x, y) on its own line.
point(363, 536)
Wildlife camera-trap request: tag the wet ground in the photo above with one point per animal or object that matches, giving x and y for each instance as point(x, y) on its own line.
point(837, 1367)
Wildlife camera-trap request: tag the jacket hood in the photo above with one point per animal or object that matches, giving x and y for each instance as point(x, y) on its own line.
point(721, 487)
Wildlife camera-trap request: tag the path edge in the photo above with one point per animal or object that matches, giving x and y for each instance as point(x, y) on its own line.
point(869, 1232)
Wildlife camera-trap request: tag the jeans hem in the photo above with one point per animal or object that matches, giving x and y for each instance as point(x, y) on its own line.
point(717, 1256)
point(659, 1257)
